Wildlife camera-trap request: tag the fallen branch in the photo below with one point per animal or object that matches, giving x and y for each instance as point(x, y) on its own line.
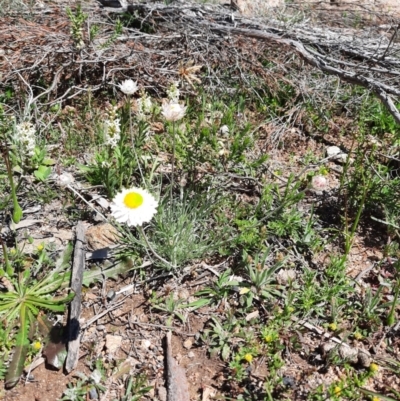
point(76, 304)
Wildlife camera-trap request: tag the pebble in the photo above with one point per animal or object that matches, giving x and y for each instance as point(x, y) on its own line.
point(289, 381)
point(191, 354)
point(348, 353)
point(336, 153)
point(93, 395)
point(188, 343)
point(113, 343)
point(100, 327)
point(364, 358)
point(111, 295)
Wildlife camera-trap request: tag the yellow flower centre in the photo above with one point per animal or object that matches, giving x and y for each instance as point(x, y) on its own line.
point(133, 200)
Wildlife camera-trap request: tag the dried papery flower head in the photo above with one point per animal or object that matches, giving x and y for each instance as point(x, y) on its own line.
point(25, 137)
point(173, 92)
point(134, 206)
point(128, 87)
point(112, 128)
point(173, 111)
point(187, 71)
point(319, 183)
point(64, 179)
point(224, 130)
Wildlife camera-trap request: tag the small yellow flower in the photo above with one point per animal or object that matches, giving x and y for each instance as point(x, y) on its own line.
point(358, 335)
point(37, 345)
point(40, 247)
point(375, 398)
point(337, 390)
point(248, 358)
point(373, 368)
point(332, 326)
point(13, 251)
point(269, 338)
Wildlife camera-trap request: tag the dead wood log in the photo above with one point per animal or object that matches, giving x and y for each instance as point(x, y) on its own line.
point(177, 385)
point(76, 304)
point(366, 58)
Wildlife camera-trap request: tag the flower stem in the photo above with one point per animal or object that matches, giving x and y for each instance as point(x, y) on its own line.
point(132, 141)
point(9, 268)
point(152, 249)
point(82, 198)
point(173, 162)
point(17, 213)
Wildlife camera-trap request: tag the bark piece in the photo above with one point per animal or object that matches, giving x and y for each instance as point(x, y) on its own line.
point(75, 307)
point(177, 385)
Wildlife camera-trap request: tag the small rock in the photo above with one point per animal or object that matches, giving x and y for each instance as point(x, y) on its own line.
point(364, 358)
point(160, 358)
point(113, 343)
point(93, 395)
point(332, 151)
point(336, 154)
point(327, 347)
point(348, 353)
point(146, 344)
point(100, 327)
point(191, 354)
point(188, 343)
point(101, 236)
point(289, 381)
point(111, 295)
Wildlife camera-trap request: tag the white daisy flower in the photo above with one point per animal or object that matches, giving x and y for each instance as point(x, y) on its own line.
point(128, 87)
point(173, 111)
point(133, 206)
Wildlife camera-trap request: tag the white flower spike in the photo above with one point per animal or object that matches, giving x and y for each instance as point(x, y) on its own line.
point(133, 206)
point(128, 87)
point(173, 111)
point(25, 136)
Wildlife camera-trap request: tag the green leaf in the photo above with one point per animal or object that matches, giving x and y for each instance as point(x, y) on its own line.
point(99, 273)
point(225, 352)
point(199, 303)
point(42, 173)
point(21, 349)
point(380, 396)
point(17, 214)
point(48, 162)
